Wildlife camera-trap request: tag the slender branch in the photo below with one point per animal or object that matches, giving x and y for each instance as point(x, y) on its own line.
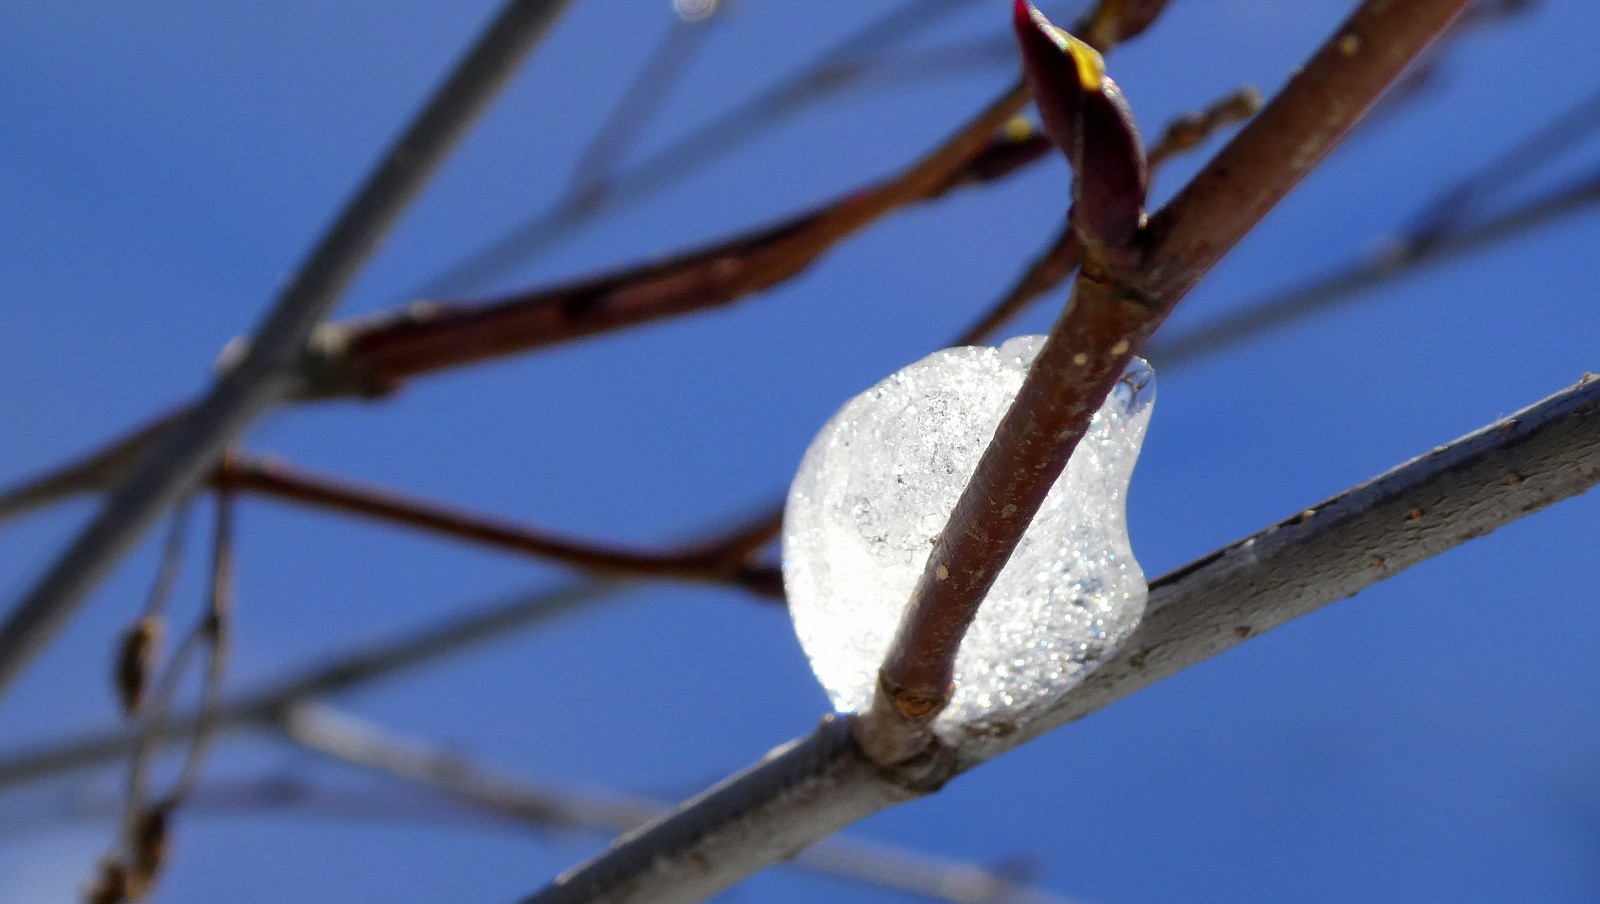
point(424, 338)
point(1412, 254)
point(255, 795)
point(373, 355)
point(1441, 232)
point(1118, 300)
point(639, 104)
point(807, 790)
point(254, 708)
point(387, 350)
point(216, 627)
point(840, 65)
point(93, 472)
point(269, 371)
point(725, 562)
point(353, 741)
point(1544, 144)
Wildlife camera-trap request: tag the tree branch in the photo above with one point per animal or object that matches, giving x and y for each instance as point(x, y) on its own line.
point(425, 338)
point(373, 355)
point(252, 709)
point(808, 789)
point(837, 67)
point(353, 741)
point(714, 561)
point(1120, 297)
point(269, 371)
point(387, 350)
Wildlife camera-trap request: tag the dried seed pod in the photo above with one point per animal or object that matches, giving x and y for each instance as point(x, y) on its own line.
point(110, 884)
point(151, 845)
point(137, 655)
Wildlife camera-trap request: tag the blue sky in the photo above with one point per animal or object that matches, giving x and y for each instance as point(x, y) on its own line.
point(163, 168)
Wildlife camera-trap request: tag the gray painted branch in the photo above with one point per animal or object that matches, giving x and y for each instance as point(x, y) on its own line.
point(355, 741)
point(269, 371)
point(811, 788)
point(257, 708)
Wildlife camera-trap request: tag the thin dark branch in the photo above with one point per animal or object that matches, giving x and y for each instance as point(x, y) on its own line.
point(725, 562)
point(836, 67)
point(216, 627)
point(251, 709)
point(388, 349)
point(639, 104)
point(95, 471)
point(1397, 261)
point(269, 371)
point(1516, 163)
point(809, 789)
point(371, 356)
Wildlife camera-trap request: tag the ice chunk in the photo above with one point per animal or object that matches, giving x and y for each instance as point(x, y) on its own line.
point(878, 484)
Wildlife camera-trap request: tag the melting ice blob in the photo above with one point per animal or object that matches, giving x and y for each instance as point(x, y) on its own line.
point(877, 486)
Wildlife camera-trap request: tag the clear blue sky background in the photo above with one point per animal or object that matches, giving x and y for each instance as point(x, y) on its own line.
point(163, 166)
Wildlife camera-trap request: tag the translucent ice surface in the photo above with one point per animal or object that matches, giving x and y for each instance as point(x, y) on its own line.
point(878, 484)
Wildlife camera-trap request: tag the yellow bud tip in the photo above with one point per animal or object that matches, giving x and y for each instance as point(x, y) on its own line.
point(1018, 128)
point(1091, 65)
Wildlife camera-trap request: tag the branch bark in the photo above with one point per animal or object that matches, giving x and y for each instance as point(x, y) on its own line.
point(1120, 297)
point(1411, 255)
point(808, 789)
point(270, 370)
point(717, 560)
point(353, 741)
point(254, 709)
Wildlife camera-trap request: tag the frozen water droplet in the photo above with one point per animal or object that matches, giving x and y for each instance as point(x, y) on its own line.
point(878, 484)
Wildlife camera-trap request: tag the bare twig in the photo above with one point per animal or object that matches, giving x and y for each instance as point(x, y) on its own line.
point(809, 789)
point(1537, 149)
point(145, 836)
point(381, 660)
point(270, 370)
point(716, 561)
point(424, 338)
point(643, 98)
point(95, 471)
point(838, 66)
point(384, 351)
point(216, 628)
point(373, 355)
point(139, 651)
point(353, 741)
point(1410, 255)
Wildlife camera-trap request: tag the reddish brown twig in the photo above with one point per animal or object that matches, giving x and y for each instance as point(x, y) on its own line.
point(723, 560)
point(385, 351)
point(1056, 263)
point(1117, 303)
point(423, 338)
point(375, 355)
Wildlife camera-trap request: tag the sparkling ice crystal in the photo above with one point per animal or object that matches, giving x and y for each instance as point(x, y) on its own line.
point(878, 484)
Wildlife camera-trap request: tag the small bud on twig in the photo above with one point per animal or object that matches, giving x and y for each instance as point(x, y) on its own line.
point(136, 662)
point(150, 847)
point(110, 884)
point(1085, 114)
